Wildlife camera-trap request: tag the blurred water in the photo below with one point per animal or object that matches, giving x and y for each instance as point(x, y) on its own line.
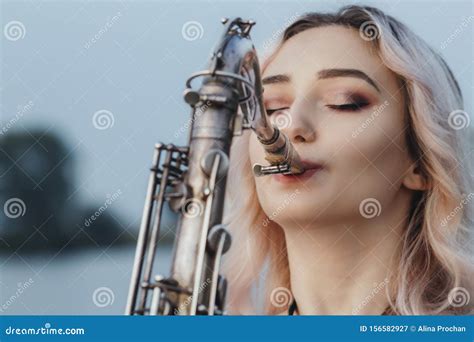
point(93, 282)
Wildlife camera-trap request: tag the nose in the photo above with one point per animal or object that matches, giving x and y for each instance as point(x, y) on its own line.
point(299, 127)
point(299, 134)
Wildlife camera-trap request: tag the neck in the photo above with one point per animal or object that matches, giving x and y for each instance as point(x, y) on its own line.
point(344, 268)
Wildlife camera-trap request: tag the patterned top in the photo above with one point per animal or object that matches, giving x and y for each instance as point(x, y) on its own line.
point(293, 307)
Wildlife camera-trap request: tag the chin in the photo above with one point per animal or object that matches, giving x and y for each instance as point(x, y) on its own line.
point(293, 212)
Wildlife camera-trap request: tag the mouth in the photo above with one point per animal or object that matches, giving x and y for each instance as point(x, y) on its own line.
point(311, 169)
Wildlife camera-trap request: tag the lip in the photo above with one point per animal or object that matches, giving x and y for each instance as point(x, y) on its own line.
point(311, 168)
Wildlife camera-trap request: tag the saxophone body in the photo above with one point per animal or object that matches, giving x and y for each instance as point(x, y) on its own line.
point(192, 181)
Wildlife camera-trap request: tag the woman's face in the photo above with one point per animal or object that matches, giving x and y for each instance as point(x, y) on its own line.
point(342, 109)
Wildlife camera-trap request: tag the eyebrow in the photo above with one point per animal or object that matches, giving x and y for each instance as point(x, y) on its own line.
point(325, 74)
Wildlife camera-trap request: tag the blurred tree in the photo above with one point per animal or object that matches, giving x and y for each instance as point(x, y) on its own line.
point(38, 213)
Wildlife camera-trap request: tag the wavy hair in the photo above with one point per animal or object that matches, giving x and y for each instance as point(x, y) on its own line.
point(434, 273)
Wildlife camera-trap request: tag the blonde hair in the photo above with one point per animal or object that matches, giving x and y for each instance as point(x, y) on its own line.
point(435, 264)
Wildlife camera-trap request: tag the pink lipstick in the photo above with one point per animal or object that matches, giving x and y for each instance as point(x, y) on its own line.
point(311, 168)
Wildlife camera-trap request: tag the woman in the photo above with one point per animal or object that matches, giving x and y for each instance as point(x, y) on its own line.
point(378, 224)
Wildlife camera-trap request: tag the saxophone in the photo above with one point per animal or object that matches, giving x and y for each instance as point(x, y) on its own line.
point(192, 179)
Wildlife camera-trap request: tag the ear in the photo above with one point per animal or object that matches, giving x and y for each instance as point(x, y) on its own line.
point(414, 179)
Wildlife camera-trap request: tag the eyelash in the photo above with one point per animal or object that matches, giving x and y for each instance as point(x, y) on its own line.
point(349, 107)
point(346, 107)
point(271, 111)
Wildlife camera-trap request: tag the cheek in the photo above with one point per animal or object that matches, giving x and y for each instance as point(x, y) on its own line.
point(375, 160)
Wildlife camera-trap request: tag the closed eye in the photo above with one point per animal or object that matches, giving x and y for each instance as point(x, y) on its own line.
point(349, 107)
point(271, 111)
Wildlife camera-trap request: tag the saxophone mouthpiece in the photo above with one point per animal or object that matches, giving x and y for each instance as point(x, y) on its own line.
point(261, 170)
point(281, 155)
point(257, 170)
